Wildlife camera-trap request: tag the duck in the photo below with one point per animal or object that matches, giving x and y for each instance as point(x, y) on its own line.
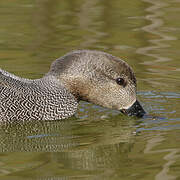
point(88, 75)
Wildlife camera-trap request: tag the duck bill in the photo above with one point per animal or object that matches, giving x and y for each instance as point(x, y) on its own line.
point(135, 110)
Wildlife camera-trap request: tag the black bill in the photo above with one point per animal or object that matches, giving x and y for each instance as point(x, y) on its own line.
point(135, 110)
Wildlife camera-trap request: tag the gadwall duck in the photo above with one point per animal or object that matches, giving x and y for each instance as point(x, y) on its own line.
point(87, 75)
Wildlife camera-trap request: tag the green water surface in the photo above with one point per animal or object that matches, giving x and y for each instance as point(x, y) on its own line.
point(97, 143)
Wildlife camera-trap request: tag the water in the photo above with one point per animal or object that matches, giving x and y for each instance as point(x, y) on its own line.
point(97, 143)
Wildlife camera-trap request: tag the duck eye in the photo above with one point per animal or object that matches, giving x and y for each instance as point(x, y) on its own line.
point(120, 81)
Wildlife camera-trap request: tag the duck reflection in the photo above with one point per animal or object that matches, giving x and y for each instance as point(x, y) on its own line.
point(73, 147)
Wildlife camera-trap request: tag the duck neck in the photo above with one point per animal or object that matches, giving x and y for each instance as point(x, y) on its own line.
point(75, 85)
point(55, 84)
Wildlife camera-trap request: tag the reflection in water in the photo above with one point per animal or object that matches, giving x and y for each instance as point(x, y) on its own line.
point(79, 146)
point(170, 158)
point(88, 22)
point(155, 17)
point(171, 154)
point(63, 135)
point(160, 64)
point(36, 136)
point(45, 34)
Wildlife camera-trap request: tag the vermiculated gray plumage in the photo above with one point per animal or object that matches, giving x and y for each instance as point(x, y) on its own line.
point(41, 99)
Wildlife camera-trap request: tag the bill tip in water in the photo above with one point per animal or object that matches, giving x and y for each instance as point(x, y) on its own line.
point(135, 110)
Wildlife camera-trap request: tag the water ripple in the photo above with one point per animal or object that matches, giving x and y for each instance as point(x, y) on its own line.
point(155, 13)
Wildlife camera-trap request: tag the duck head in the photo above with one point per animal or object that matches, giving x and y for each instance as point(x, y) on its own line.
point(99, 78)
